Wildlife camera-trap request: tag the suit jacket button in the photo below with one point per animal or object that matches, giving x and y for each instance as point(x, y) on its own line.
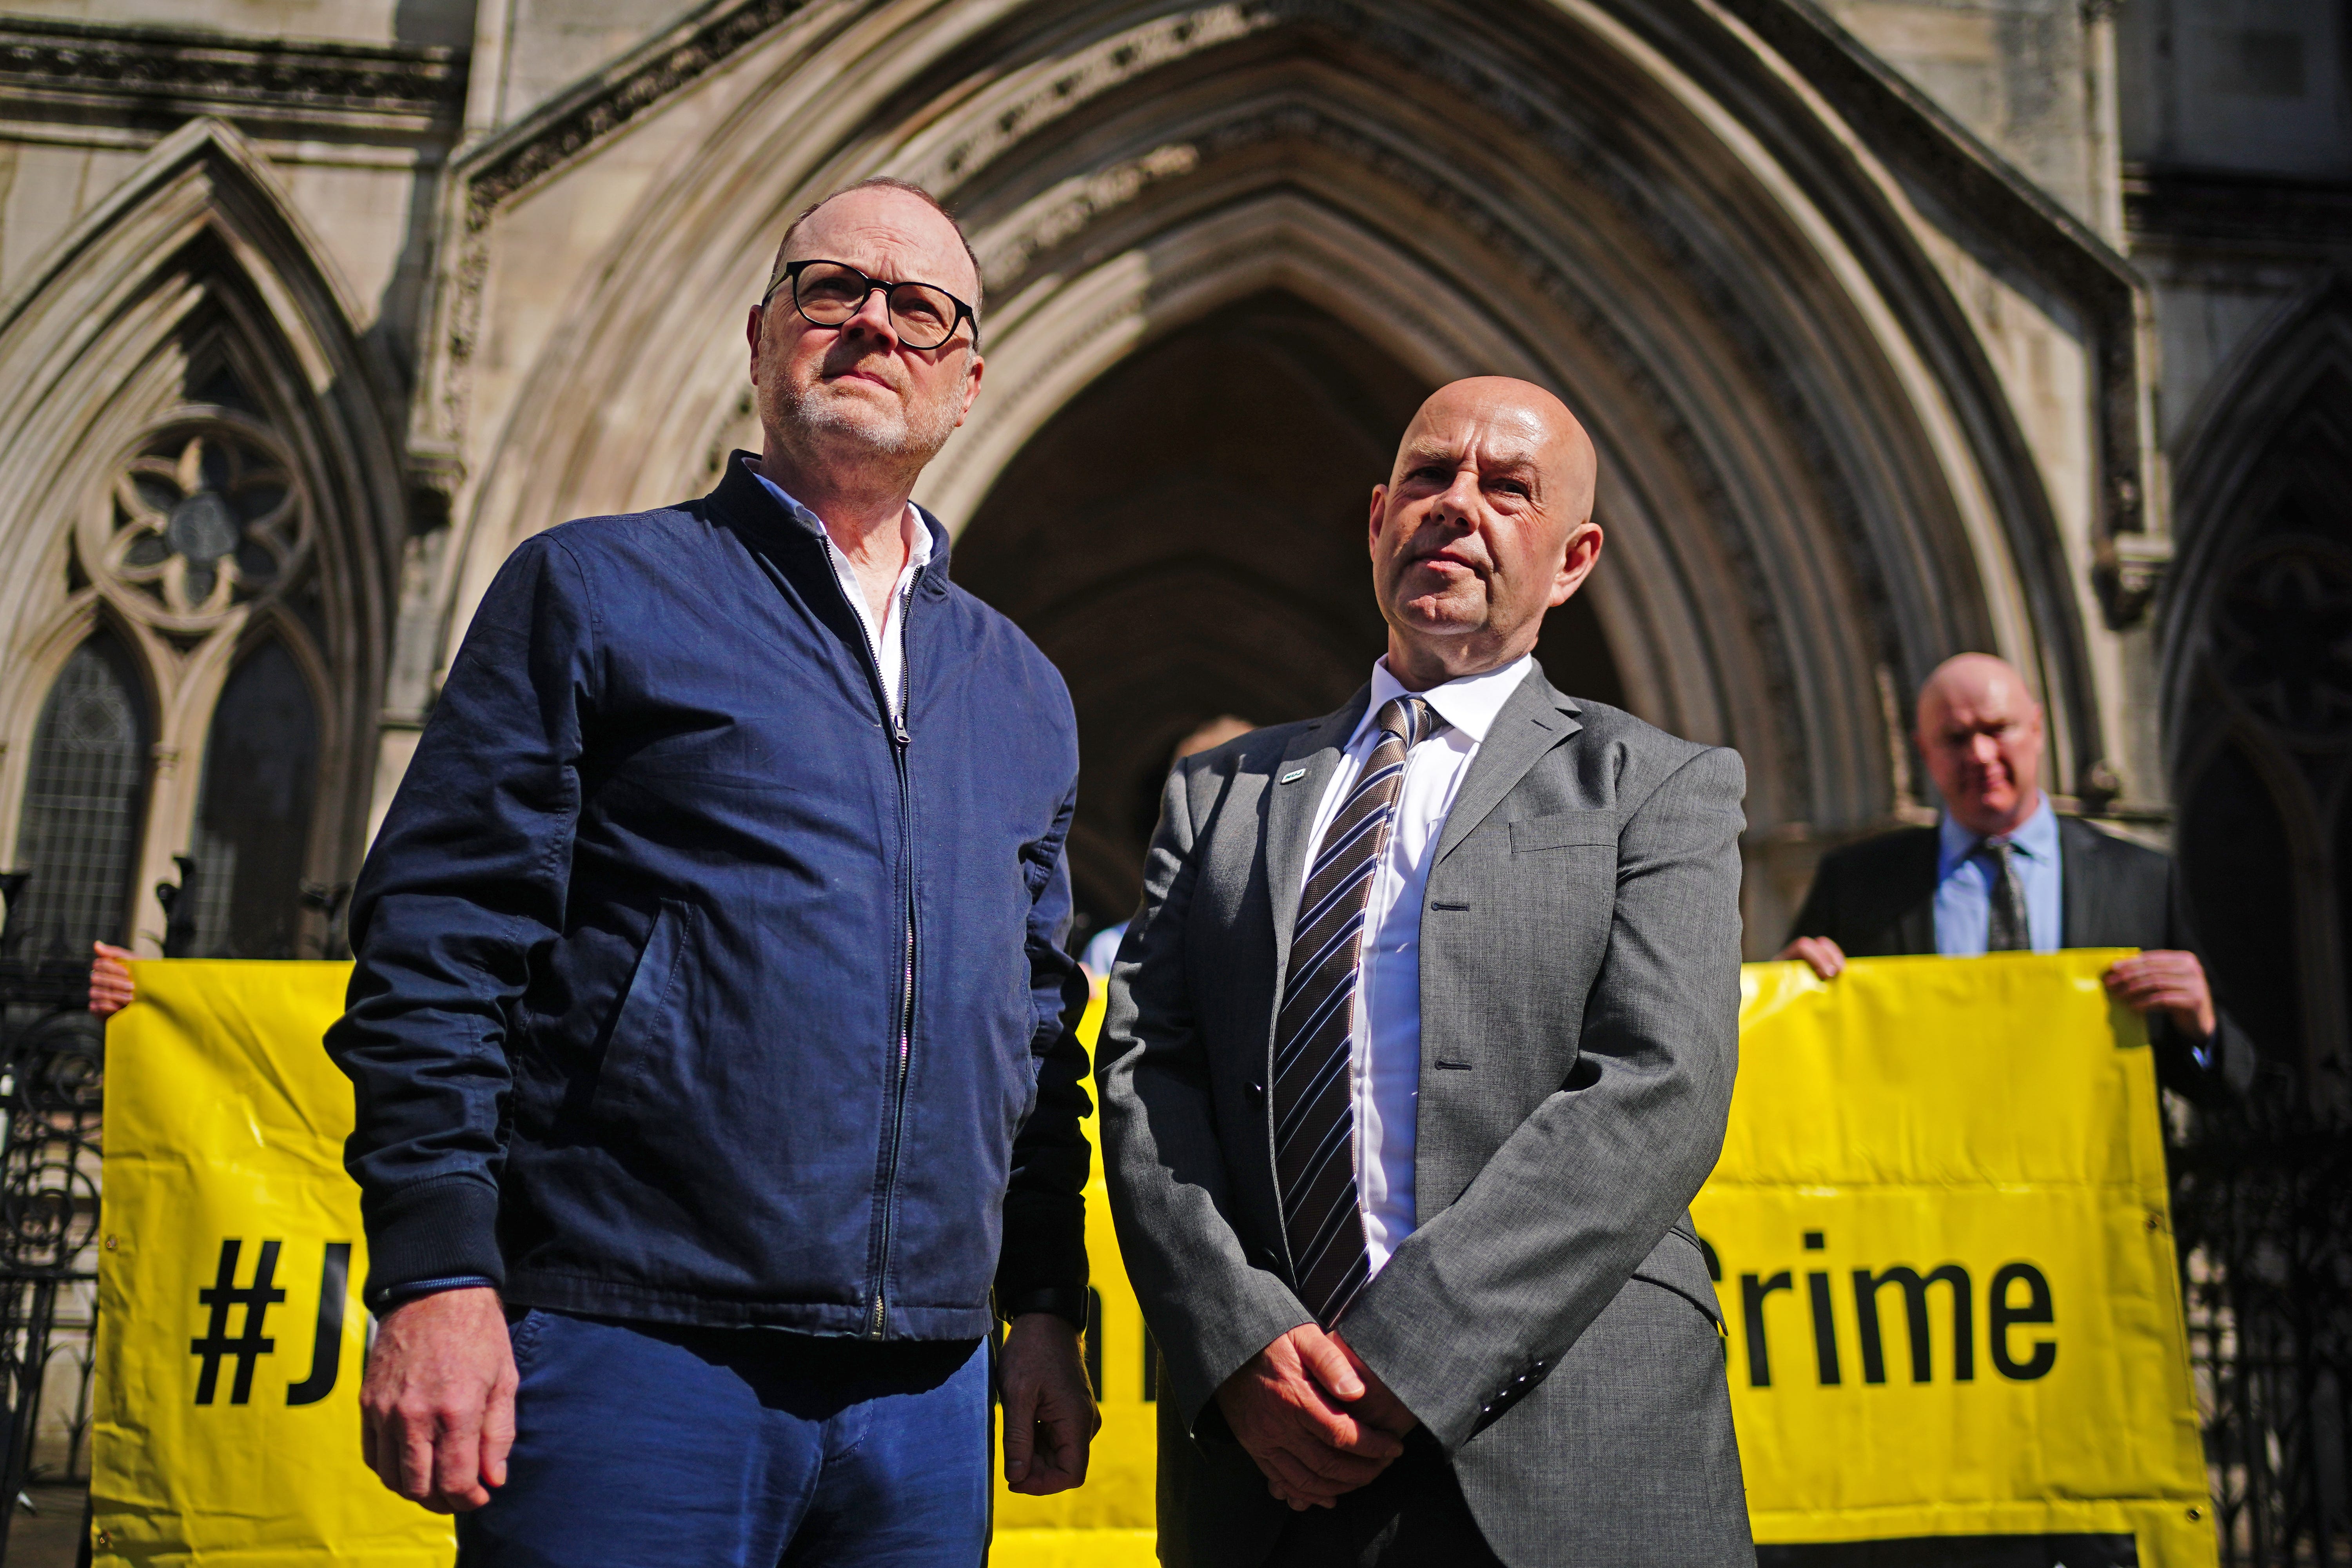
point(1257, 1090)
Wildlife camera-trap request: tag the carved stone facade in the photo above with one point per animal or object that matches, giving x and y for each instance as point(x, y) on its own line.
point(1895, 322)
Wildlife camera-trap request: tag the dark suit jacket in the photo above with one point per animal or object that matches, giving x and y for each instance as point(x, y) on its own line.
point(1551, 1322)
point(1876, 899)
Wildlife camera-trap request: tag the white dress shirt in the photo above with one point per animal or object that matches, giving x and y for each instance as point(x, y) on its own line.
point(1385, 1044)
point(887, 640)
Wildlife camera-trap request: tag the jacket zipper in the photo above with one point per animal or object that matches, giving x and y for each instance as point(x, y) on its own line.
point(907, 978)
point(878, 1311)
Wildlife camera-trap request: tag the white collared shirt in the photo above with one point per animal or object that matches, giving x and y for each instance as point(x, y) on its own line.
point(1385, 1043)
point(887, 640)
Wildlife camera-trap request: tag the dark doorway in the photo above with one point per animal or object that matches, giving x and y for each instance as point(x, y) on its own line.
point(1186, 541)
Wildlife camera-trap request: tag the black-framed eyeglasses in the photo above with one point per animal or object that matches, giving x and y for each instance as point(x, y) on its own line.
point(827, 293)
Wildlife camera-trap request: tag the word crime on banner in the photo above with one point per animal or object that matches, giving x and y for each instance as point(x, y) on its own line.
point(1942, 1241)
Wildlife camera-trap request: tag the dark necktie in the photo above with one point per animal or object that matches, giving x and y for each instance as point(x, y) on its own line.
point(2006, 927)
point(1314, 1105)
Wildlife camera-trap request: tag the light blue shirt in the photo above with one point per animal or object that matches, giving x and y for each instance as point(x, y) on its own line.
point(1103, 951)
point(1964, 884)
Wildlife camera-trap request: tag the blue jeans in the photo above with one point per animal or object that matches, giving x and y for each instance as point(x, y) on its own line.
point(641, 1446)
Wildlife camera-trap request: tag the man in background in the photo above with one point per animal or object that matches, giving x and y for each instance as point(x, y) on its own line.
point(2002, 872)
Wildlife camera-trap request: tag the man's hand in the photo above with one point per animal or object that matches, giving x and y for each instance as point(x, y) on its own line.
point(109, 979)
point(437, 1409)
point(1297, 1407)
point(1379, 1405)
point(1049, 1408)
point(2174, 982)
point(1819, 953)
point(1823, 956)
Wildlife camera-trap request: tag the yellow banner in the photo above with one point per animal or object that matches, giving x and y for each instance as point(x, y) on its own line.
point(230, 1335)
point(1970, 1149)
point(1982, 1134)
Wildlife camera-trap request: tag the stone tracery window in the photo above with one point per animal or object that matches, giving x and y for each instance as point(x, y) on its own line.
point(253, 822)
point(2266, 794)
point(192, 544)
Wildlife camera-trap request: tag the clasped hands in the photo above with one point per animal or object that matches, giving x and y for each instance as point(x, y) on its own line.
point(1317, 1421)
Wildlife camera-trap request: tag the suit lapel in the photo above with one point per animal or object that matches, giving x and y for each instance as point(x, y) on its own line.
point(1290, 816)
point(2078, 905)
point(1914, 929)
point(1534, 721)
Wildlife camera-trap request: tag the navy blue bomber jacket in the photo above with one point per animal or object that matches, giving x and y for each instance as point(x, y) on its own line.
point(691, 989)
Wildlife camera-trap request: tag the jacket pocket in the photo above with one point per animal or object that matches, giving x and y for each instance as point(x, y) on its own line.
point(1676, 1264)
point(1564, 830)
point(642, 1029)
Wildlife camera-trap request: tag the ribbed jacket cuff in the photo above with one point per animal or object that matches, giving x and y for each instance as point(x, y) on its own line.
point(441, 1229)
point(1064, 1303)
point(1042, 1267)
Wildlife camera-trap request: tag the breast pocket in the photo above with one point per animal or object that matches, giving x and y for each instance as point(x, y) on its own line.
point(641, 1055)
point(1561, 882)
point(1564, 830)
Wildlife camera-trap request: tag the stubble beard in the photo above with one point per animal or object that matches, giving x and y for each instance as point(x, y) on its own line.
point(908, 436)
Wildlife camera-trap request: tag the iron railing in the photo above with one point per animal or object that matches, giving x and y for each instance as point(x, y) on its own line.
point(52, 1068)
point(2261, 1199)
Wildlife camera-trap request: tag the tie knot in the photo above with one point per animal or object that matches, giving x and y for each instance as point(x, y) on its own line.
point(1999, 850)
point(1410, 719)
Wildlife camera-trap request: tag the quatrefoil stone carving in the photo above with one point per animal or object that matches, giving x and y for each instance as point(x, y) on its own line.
point(206, 517)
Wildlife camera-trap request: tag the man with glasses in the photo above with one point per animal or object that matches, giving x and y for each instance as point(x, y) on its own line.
point(710, 1021)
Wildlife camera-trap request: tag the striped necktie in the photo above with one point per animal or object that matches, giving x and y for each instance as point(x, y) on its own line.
point(1314, 1103)
point(2006, 927)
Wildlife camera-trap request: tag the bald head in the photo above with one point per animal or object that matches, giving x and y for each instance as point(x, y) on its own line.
point(1980, 733)
point(1515, 417)
point(1486, 522)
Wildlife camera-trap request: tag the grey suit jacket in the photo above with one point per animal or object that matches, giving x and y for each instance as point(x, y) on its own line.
point(1550, 1322)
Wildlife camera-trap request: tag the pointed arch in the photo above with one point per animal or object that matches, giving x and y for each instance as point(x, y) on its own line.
point(184, 342)
point(2257, 682)
point(2286, 391)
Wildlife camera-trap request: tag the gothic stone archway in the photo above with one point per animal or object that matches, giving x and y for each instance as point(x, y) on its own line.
point(1816, 483)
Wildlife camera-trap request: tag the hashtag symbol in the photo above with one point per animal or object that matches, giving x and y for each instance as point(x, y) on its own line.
point(248, 1348)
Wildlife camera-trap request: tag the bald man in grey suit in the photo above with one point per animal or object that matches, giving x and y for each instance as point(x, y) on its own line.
point(1416, 1052)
